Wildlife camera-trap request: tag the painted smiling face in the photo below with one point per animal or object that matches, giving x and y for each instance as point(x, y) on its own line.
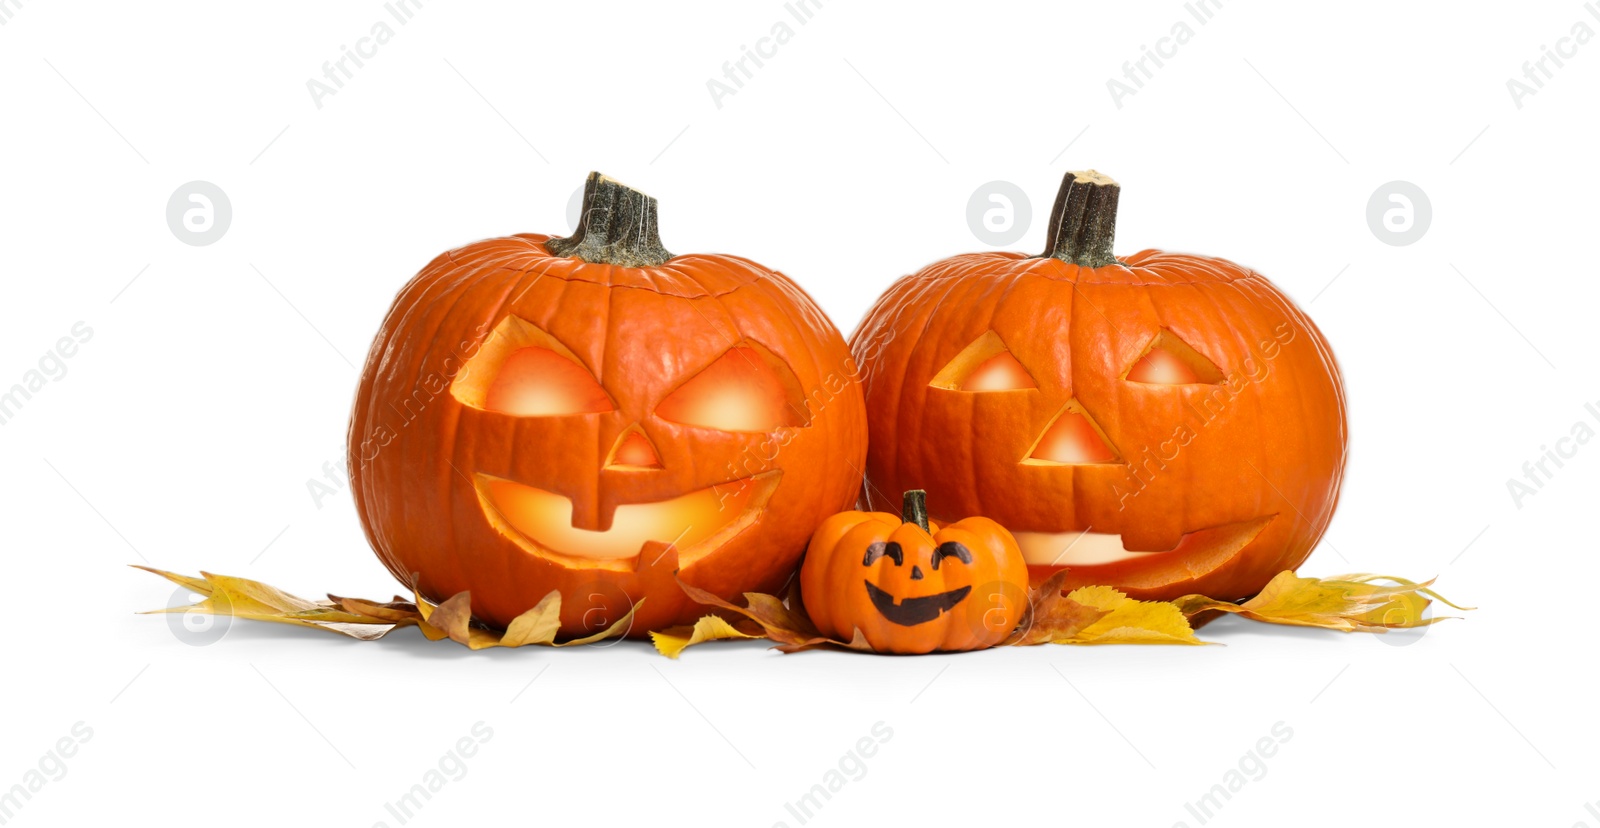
point(913, 587)
point(1164, 423)
point(594, 415)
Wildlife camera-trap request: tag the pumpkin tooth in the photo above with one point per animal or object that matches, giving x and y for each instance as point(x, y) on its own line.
point(658, 556)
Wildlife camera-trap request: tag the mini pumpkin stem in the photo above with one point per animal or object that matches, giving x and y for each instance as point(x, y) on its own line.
point(1083, 222)
point(914, 508)
point(618, 227)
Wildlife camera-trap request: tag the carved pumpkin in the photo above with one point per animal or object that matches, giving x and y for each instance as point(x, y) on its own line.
point(1163, 423)
point(595, 415)
point(910, 586)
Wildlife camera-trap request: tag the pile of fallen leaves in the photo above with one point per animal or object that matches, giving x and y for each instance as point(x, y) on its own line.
point(1087, 615)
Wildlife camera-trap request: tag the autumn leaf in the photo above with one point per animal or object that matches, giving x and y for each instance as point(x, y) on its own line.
point(789, 627)
point(1099, 615)
point(781, 624)
point(243, 598)
point(1348, 603)
point(1087, 615)
point(369, 620)
point(1051, 618)
point(672, 641)
point(1127, 621)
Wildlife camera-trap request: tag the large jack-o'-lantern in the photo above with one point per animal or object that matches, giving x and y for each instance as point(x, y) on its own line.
point(596, 415)
point(1162, 423)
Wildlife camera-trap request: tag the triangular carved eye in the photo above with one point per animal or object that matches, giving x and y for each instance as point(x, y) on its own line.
point(1072, 438)
point(523, 371)
point(746, 389)
point(985, 365)
point(1171, 361)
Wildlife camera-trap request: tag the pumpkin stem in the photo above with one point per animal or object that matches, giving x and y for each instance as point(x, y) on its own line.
point(1083, 222)
point(618, 227)
point(914, 508)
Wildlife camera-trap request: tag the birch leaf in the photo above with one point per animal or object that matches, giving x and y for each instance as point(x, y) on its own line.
point(1126, 621)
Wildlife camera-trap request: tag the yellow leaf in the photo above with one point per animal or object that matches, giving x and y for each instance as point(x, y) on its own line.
point(369, 620)
point(537, 625)
point(244, 598)
point(1127, 621)
point(196, 585)
point(672, 641)
point(617, 629)
point(1348, 603)
point(1098, 615)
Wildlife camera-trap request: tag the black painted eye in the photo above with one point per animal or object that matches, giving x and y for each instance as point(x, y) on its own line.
point(951, 549)
point(891, 549)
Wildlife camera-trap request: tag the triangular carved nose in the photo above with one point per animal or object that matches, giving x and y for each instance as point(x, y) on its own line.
point(633, 450)
point(1072, 438)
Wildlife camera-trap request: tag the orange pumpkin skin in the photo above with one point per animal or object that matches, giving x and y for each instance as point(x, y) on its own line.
point(972, 599)
point(1213, 487)
point(438, 472)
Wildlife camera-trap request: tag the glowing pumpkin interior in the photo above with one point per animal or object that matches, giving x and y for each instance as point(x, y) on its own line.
point(522, 371)
point(1074, 438)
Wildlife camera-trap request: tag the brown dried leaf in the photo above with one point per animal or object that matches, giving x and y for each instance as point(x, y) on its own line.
point(1052, 618)
point(398, 611)
point(780, 623)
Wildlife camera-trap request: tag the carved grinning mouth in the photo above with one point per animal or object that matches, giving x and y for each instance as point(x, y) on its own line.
point(694, 524)
point(1055, 549)
point(909, 612)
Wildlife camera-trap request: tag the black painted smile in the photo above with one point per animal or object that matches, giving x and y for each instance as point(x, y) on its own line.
point(910, 612)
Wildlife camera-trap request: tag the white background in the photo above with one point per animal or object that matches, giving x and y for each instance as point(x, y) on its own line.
point(218, 379)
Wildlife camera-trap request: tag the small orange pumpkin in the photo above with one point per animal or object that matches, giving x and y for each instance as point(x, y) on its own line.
point(910, 586)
